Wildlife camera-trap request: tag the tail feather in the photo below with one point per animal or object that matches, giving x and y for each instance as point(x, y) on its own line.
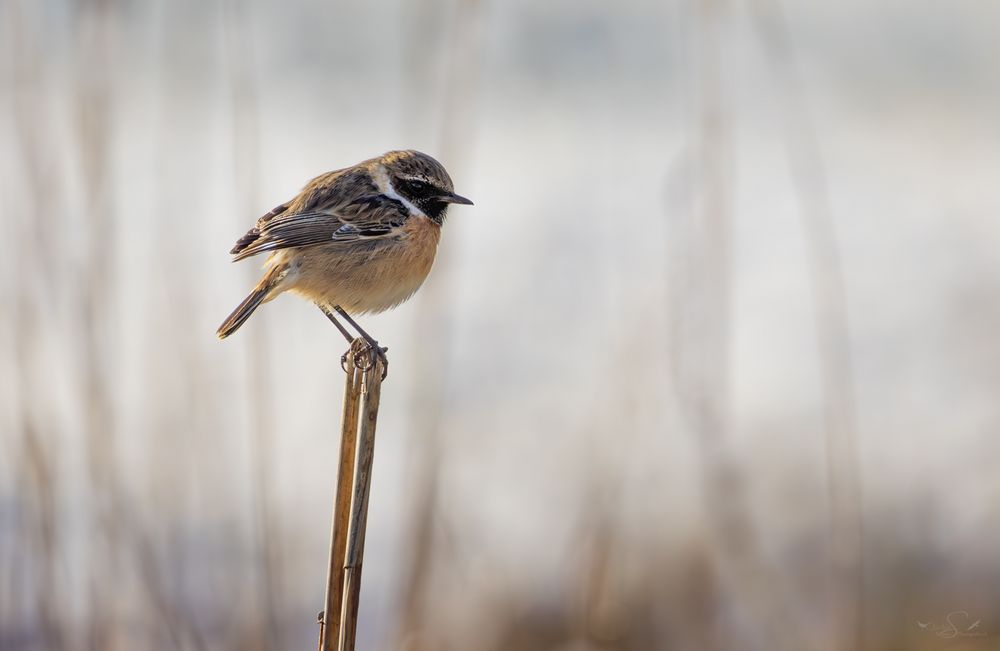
point(260, 294)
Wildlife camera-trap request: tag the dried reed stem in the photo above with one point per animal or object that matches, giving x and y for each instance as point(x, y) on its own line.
point(359, 512)
point(363, 387)
point(330, 623)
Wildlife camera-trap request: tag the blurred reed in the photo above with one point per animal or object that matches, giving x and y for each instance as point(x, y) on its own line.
point(33, 577)
point(239, 74)
point(701, 305)
point(829, 298)
point(96, 295)
point(434, 325)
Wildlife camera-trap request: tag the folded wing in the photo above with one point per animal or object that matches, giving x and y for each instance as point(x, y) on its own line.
point(335, 208)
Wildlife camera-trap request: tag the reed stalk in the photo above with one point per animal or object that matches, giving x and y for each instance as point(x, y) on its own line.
point(362, 393)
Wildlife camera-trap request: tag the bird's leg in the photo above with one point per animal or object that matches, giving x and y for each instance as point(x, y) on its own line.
point(377, 350)
point(354, 324)
point(329, 315)
point(347, 335)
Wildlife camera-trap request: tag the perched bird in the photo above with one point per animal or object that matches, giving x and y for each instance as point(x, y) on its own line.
point(354, 241)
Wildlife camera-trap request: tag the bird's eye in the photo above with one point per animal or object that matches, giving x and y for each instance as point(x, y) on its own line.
point(417, 187)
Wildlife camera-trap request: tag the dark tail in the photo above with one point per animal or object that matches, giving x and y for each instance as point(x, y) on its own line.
point(260, 294)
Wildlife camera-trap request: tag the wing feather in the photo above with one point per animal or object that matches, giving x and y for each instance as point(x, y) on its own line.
point(364, 219)
point(251, 235)
point(341, 207)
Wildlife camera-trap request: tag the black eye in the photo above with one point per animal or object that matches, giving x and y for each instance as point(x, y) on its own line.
point(418, 188)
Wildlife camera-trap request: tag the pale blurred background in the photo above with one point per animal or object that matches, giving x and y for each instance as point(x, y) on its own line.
point(713, 363)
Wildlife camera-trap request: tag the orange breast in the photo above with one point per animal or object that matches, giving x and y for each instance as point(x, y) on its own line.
point(366, 279)
point(420, 248)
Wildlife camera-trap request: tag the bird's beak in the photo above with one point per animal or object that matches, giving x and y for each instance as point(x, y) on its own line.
point(451, 197)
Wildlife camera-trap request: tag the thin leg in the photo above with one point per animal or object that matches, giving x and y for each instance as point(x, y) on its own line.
point(347, 335)
point(380, 351)
point(329, 315)
point(354, 324)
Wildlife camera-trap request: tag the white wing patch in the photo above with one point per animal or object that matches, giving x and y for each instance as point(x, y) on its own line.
point(345, 231)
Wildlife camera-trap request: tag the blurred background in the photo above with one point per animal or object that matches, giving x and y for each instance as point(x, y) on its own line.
point(713, 363)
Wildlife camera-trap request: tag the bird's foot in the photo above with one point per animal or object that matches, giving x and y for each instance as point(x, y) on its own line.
point(376, 352)
point(365, 353)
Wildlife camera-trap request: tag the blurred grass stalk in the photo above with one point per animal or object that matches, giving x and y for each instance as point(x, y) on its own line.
point(32, 577)
point(244, 106)
point(701, 347)
point(362, 394)
point(434, 319)
point(706, 380)
point(829, 294)
point(96, 297)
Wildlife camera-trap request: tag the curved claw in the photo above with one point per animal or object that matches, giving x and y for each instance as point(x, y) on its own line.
point(364, 354)
point(357, 351)
point(366, 361)
point(380, 353)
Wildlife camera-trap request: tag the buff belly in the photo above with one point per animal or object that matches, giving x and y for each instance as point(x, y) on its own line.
point(364, 276)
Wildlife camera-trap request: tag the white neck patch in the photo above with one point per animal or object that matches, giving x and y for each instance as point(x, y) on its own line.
point(385, 186)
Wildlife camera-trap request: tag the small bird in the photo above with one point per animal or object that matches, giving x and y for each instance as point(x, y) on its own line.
point(357, 240)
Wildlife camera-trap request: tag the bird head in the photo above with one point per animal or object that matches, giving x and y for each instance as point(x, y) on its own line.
point(421, 181)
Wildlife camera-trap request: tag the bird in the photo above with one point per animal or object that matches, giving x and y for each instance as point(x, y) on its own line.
point(358, 240)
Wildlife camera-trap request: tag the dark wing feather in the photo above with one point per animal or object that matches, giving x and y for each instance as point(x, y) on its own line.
point(366, 217)
point(252, 234)
point(342, 206)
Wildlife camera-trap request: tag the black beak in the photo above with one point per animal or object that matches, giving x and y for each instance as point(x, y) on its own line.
point(451, 197)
